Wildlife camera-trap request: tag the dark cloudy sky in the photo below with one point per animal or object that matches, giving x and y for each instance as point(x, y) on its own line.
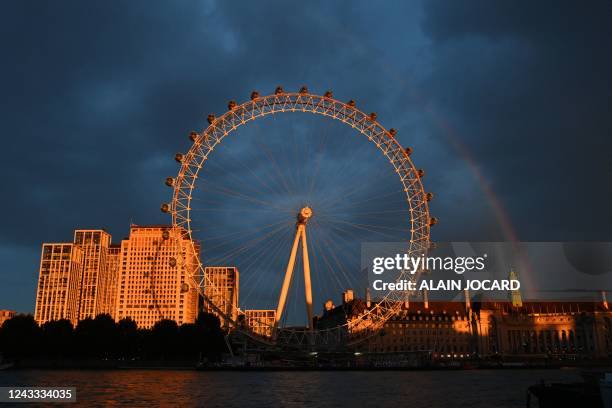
point(507, 104)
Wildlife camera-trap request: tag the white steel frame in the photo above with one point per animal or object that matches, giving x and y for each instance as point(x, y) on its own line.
point(365, 124)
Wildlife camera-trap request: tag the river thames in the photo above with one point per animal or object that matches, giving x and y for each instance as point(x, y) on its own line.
point(469, 388)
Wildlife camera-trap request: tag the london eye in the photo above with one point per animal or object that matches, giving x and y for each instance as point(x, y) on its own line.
point(295, 199)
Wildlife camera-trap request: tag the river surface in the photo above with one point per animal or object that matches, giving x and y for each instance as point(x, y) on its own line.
point(150, 388)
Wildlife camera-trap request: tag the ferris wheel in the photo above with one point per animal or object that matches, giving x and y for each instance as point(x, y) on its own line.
point(297, 223)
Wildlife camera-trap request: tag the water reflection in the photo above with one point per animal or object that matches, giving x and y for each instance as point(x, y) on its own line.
point(476, 388)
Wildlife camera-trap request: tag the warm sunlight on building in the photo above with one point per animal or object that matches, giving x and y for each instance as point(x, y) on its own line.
point(113, 264)
point(154, 276)
point(96, 283)
point(6, 315)
point(60, 273)
point(260, 321)
point(221, 286)
point(439, 327)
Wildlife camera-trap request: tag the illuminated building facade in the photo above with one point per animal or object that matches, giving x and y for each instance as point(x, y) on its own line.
point(221, 286)
point(534, 329)
point(260, 321)
point(442, 328)
point(60, 274)
point(544, 329)
point(113, 264)
point(511, 329)
point(6, 315)
point(96, 284)
point(155, 265)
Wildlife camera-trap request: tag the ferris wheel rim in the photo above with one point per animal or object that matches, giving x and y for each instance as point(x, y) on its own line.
point(284, 102)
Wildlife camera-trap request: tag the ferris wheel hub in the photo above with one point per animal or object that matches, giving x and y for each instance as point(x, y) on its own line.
point(304, 214)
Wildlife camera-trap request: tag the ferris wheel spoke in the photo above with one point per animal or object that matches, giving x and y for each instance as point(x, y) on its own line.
point(223, 240)
point(249, 264)
point(318, 157)
point(348, 204)
point(381, 221)
point(281, 171)
point(278, 172)
point(315, 266)
point(398, 211)
point(335, 249)
point(346, 196)
point(241, 232)
point(273, 241)
point(273, 174)
point(235, 252)
point(368, 228)
point(318, 275)
point(348, 145)
point(231, 174)
point(278, 257)
point(330, 268)
point(259, 179)
point(241, 210)
point(245, 197)
point(248, 245)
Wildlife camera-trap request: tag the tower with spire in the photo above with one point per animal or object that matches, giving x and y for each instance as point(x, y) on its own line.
point(515, 295)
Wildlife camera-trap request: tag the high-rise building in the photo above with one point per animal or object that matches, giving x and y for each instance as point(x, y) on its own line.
point(154, 276)
point(113, 265)
point(221, 287)
point(6, 315)
point(260, 321)
point(60, 274)
point(95, 282)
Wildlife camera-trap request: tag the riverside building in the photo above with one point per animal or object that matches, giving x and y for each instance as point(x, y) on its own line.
point(260, 322)
point(221, 286)
point(96, 283)
point(6, 315)
point(514, 329)
point(154, 282)
point(59, 280)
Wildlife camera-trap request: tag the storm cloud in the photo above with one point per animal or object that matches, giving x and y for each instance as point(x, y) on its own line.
point(96, 98)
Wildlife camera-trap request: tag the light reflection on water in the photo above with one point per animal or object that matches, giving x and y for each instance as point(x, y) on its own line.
point(475, 388)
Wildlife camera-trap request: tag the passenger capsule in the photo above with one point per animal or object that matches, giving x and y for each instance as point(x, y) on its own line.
point(421, 173)
point(254, 95)
point(179, 157)
point(193, 135)
point(433, 221)
point(351, 103)
point(184, 287)
point(373, 116)
point(211, 118)
point(408, 150)
point(172, 262)
point(304, 90)
point(329, 94)
point(165, 207)
point(279, 90)
point(392, 132)
point(231, 105)
point(429, 196)
point(166, 235)
point(169, 181)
